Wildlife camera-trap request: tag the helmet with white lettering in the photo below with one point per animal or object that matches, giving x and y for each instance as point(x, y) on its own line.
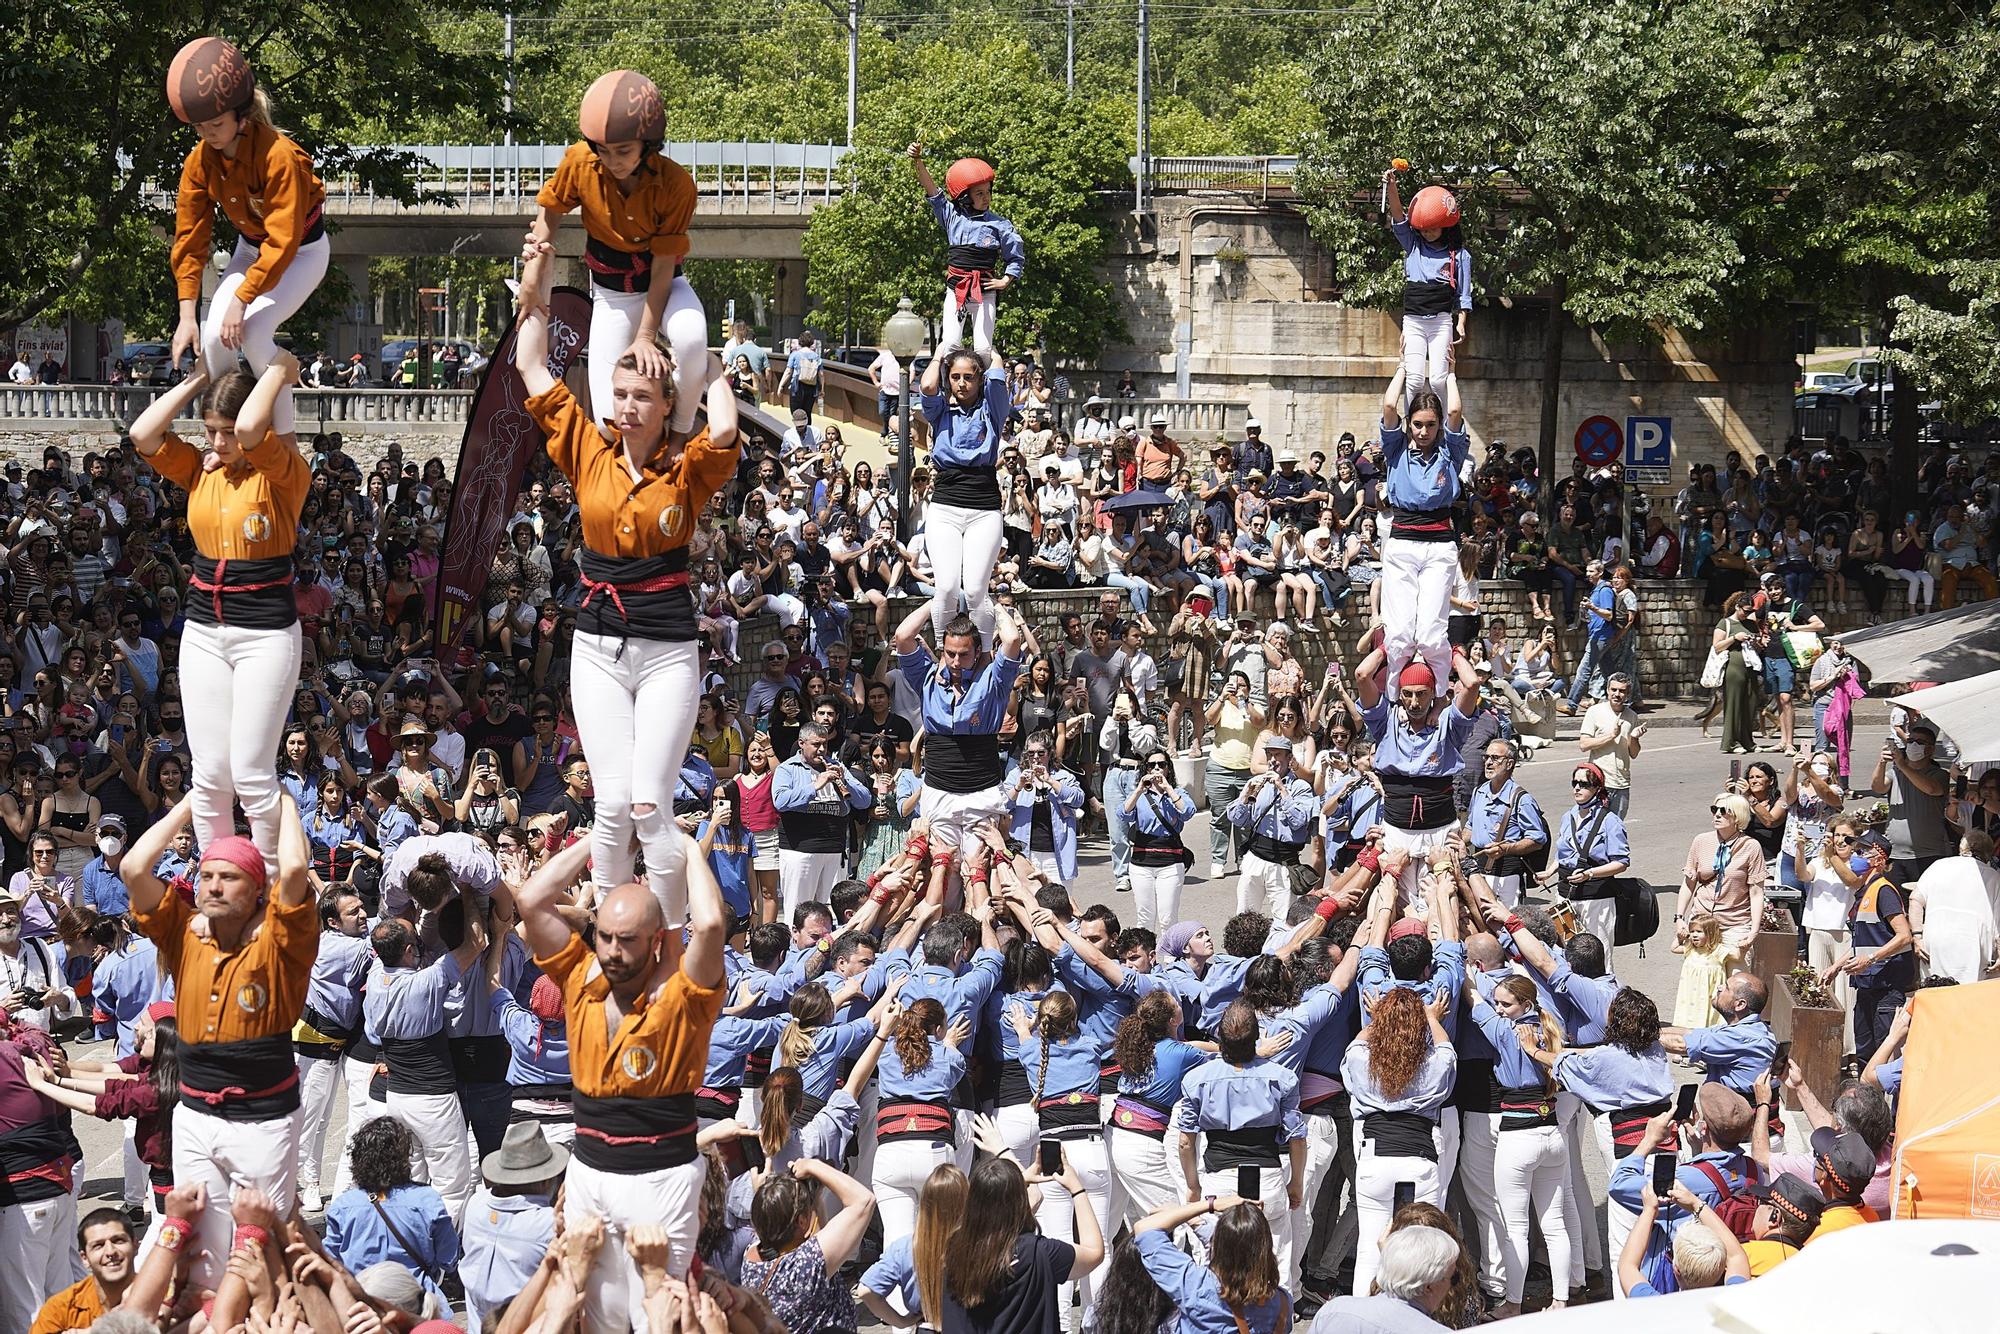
point(1434, 206)
point(621, 107)
point(208, 77)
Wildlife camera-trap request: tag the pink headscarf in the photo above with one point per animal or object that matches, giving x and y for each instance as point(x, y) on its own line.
point(241, 853)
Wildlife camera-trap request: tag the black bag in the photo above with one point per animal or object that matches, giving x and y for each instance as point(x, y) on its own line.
point(1638, 911)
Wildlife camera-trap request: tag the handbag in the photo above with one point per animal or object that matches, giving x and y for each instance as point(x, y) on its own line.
point(1753, 659)
point(1712, 670)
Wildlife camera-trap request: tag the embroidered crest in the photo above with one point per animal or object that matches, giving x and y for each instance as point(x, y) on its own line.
point(638, 1062)
point(252, 997)
point(673, 521)
point(256, 527)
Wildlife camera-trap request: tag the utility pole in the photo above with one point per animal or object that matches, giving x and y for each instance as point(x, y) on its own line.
point(507, 50)
point(1069, 48)
point(1139, 177)
point(853, 63)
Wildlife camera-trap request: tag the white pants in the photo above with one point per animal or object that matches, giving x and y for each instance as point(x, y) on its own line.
point(614, 319)
point(613, 684)
point(319, 1084)
point(615, 1300)
point(963, 546)
point(1322, 1147)
point(902, 1167)
point(1046, 863)
point(870, 1102)
point(1478, 1135)
point(138, 1180)
point(1156, 894)
point(1021, 1130)
point(240, 683)
point(1579, 1214)
point(952, 816)
point(1092, 1162)
point(1416, 602)
point(1506, 888)
point(39, 1243)
point(1824, 949)
point(1149, 1173)
point(261, 318)
point(225, 1157)
point(1374, 1199)
point(806, 877)
point(1427, 352)
point(1263, 886)
point(1600, 918)
point(982, 312)
point(1529, 1169)
point(1418, 843)
point(361, 1109)
point(1277, 1205)
point(438, 1124)
point(1618, 1219)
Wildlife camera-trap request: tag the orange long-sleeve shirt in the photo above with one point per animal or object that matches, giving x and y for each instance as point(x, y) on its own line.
point(267, 191)
point(251, 516)
point(653, 219)
point(256, 990)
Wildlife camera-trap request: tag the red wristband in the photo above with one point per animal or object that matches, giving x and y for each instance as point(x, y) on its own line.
point(247, 1233)
point(1515, 924)
point(879, 896)
point(1328, 908)
point(1370, 857)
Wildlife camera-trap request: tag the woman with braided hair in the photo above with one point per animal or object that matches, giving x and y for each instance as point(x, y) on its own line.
point(1152, 1061)
point(636, 204)
point(264, 185)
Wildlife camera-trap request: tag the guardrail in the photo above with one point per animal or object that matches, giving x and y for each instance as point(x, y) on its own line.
point(1185, 416)
point(506, 177)
point(1265, 177)
point(80, 406)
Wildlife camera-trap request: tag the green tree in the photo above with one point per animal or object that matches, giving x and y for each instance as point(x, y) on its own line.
point(1888, 121)
point(1594, 150)
point(93, 152)
point(1053, 159)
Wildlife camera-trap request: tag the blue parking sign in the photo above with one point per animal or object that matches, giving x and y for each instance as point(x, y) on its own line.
point(1649, 442)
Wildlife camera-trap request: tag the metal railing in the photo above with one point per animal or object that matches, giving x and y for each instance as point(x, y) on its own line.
point(79, 406)
point(1264, 177)
point(1186, 417)
point(742, 176)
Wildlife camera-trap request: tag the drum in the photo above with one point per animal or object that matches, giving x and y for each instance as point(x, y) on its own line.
point(1562, 915)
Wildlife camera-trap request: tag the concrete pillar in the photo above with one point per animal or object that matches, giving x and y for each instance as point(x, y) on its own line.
point(356, 330)
point(788, 310)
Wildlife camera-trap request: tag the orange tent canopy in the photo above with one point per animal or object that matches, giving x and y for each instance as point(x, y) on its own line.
point(1948, 1116)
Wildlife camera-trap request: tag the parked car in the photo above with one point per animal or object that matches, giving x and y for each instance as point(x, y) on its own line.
point(397, 349)
point(1817, 380)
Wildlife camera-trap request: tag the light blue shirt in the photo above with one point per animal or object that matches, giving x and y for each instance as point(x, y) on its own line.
point(1489, 807)
point(1610, 844)
point(341, 966)
point(538, 1053)
point(125, 983)
point(1065, 804)
point(1424, 1095)
point(358, 1236)
point(795, 787)
point(505, 1239)
point(1430, 752)
point(1734, 1054)
point(969, 437)
point(968, 707)
point(1423, 482)
point(1611, 1079)
point(1284, 816)
point(1426, 262)
point(1221, 1096)
point(403, 1004)
point(980, 229)
point(1198, 1304)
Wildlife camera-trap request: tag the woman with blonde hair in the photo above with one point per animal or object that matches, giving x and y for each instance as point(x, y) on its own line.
point(1725, 874)
point(912, 1268)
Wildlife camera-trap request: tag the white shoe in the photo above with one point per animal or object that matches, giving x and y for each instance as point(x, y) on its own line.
point(1215, 871)
point(310, 1201)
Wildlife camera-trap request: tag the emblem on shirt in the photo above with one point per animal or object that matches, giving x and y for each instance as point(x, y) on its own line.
point(256, 527)
point(673, 521)
point(252, 997)
point(1124, 1116)
point(637, 1062)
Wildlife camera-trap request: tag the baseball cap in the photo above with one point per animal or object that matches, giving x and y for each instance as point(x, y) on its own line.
point(1277, 742)
point(1874, 838)
point(1843, 1156)
point(800, 417)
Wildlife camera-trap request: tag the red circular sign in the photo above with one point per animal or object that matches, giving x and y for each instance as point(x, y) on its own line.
point(1598, 441)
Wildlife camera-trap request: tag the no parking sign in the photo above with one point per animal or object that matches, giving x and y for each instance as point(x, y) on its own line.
point(1597, 441)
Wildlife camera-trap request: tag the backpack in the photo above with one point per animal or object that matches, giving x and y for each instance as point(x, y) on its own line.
point(1638, 912)
point(808, 366)
point(1737, 1211)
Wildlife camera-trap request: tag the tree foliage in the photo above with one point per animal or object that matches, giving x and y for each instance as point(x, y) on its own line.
point(86, 127)
point(879, 242)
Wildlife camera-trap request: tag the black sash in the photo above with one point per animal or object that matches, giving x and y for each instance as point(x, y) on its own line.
point(1255, 1146)
point(1429, 298)
point(1417, 801)
point(1527, 1108)
point(420, 1065)
point(1276, 851)
point(256, 1079)
point(252, 594)
point(973, 258)
point(1069, 1115)
point(617, 270)
point(37, 1161)
point(1401, 1135)
point(963, 762)
point(480, 1060)
point(634, 1135)
point(967, 488)
point(629, 603)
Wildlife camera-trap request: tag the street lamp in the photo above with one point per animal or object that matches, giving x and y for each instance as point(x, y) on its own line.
point(904, 336)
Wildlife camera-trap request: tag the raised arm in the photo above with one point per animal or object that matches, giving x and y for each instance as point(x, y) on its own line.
point(1392, 402)
point(722, 419)
point(158, 419)
point(708, 920)
point(294, 854)
point(531, 328)
point(544, 927)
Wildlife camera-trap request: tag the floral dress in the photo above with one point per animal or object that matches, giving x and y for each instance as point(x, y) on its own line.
point(802, 1294)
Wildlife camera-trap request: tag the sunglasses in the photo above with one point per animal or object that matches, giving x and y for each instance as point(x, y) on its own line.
point(1721, 810)
point(1157, 764)
point(1583, 782)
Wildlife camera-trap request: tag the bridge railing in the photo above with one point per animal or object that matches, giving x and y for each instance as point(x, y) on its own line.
point(82, 406)
point(1264, 177)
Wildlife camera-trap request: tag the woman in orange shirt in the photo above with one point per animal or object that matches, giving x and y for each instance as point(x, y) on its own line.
point(634, 670)
point(636, 204)
point(240, 651)
point(264, 184)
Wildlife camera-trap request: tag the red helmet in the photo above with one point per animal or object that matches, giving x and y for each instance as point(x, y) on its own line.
point(208, 77)
point(621, 107)
point(966, 173)
point(1434, 206)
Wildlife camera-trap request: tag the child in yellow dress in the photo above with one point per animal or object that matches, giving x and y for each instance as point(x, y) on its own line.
point(1703, 971)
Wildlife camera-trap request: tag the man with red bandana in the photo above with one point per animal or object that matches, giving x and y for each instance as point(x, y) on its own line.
point(1417, 740)
point(241, 958)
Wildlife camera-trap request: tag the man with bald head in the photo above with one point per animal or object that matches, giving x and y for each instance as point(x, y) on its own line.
point(639, 1015)
point(1735, 1052)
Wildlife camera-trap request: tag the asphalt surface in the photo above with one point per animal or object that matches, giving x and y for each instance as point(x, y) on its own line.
point(1674, 778)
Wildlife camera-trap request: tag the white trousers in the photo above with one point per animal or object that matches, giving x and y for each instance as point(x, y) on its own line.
point(1264, 886)
point(964, 544)
point(1149, 1172)
point(438, 1123)
point(1618, 1219)
point(319, 1084)
point(1272, 1195)
point(240, 684)
point(1416, 603)
point(613, 684)
point(805, 877)
point(1427, 352)
point(225, 1157)
point(1374, 1199)
point(1506, 888)
point(1156, 894)
point(1021, 1131)
point(1530, 1168)
point(138, 1180)
point(902, 1167)
point(1600, 918)
point(981, 314)
point(952, 816)
point(261, 318)
point(1478, 1135)
point(1579, 1213)
point(614, 319)
point(1825, 949)
point(1322, 1147)
point(1046, 863)
point(361, 1109)
point(1057, 1217)
point(615, 1300)
point(39, 1243)
point(1418, 843)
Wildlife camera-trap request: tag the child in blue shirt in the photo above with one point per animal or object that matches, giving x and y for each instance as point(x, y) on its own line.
point(1437, 281)
point(978, 242)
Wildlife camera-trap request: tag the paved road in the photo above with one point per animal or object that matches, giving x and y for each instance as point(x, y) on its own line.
point(1675, 777)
